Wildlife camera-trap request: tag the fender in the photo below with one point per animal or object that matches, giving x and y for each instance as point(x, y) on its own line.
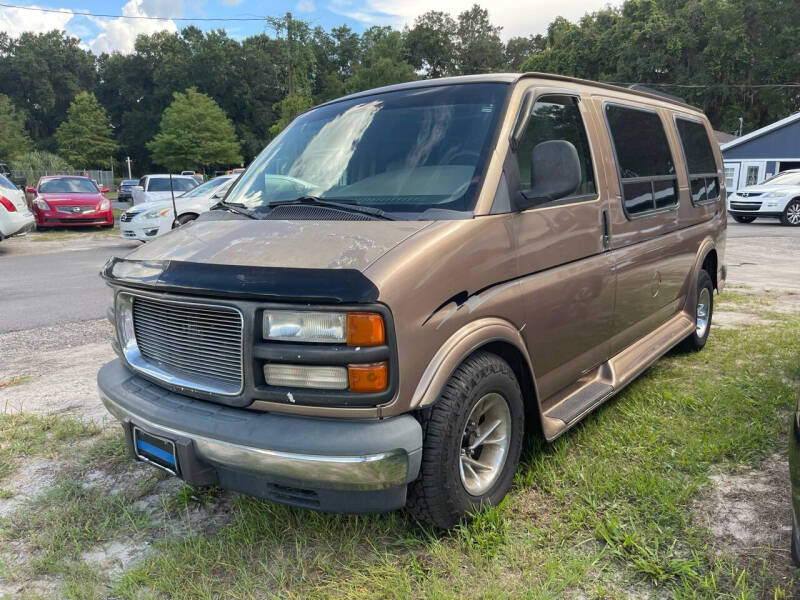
point(461, 344)
point(706, 246)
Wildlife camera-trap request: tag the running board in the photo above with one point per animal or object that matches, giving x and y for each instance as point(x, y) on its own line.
point(567, 407)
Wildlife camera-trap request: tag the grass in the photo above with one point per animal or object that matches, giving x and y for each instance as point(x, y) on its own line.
point(15, 380)
point(604, 512)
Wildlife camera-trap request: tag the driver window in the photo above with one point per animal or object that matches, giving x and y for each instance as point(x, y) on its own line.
point(556, 118)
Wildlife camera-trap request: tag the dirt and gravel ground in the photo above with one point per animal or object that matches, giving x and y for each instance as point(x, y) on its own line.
point(50, 370)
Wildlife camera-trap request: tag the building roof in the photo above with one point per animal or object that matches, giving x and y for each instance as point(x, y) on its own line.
point(763, 131)
point(723, 137)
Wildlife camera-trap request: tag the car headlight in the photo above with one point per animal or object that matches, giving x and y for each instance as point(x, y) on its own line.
point(774, 194)
point(155, 213)
point(354, 328)
point(41, 204)
point(123, 313)
point(105, 204)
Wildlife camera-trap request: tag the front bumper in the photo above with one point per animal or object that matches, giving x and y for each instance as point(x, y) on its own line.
point(15, 223)
point(332, 465)
point(55, 218)
point(142, 230)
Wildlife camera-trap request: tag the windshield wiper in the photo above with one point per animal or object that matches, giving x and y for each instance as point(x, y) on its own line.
point(235, 207)
point(344, 205)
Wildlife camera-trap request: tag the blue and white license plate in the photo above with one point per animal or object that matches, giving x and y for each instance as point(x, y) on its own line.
point(156, 450)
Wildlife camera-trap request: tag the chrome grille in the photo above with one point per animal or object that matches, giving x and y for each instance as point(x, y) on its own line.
point(198, 343)
point(128, 215)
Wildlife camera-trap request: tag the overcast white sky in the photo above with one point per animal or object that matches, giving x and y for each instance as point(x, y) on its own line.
point(107, 35)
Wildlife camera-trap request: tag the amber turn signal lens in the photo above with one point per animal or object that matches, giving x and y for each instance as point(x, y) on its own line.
point(368, 378)
point(365, 329)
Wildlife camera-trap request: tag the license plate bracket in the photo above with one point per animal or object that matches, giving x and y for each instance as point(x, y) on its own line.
point(156, 450)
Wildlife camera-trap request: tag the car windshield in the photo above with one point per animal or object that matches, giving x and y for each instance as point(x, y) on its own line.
point(179, 184)
point(129, 183)
point(68, 185)
point(404, 152)
point(784, 179)
point(5, 183)
point(207, 188)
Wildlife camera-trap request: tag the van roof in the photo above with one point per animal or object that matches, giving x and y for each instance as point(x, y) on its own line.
point(513, 78)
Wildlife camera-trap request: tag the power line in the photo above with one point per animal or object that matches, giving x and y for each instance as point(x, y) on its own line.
point(140, 17)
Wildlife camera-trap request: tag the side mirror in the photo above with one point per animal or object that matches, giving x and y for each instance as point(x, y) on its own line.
point(104, 190)
point(31, 191)
point(555, 173)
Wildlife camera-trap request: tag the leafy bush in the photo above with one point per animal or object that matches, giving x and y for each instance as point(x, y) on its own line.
point(39, 160)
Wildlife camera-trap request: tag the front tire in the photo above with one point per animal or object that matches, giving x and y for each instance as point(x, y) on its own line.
point(704, 310)
point(743, 218)
point(472, 442)
point(791, 214)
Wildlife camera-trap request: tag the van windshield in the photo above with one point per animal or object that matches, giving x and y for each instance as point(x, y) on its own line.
point(404, 152)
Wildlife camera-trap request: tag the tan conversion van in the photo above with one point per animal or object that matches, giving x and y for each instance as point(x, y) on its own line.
point(409, 279)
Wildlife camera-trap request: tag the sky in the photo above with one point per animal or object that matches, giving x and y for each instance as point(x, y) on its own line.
point(115, 34)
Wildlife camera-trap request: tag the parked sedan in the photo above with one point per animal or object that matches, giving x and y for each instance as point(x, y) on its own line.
point(777, 197)
point(15, 218)
point(125, 189)
point(70, 201)
point(147, 221)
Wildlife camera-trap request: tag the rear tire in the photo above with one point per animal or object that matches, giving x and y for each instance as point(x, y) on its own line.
point(704, 310)
point(459, 473)
point(791, 214)
point(743, 218)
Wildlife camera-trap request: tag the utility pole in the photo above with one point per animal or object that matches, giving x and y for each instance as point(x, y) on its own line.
point(128, 160)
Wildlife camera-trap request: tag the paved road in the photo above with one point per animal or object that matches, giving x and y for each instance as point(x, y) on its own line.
point(61, 285)
point(54, 287)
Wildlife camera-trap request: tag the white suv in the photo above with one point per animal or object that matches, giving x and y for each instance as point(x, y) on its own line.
point(157, 187)
point(778, 197)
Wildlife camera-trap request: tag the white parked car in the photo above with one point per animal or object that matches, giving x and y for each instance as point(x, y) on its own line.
point(145, 222)
point(15, 216)
point(777, 197)
point(157, 187)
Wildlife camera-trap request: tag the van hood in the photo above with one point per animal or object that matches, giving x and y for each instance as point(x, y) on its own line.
point(291, 244)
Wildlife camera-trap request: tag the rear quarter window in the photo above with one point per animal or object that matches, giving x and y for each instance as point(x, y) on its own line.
point(645, 166)
point(700, 163)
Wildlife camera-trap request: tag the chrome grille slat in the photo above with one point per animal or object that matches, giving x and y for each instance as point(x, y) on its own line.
point(197, 343)
point(187, 356)
point(206, 336)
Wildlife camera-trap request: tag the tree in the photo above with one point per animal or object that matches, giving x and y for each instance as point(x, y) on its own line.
point(479, 48)
point(39, 160)
point(382, 60)
point(14, 140)
point(42, 73)
point(195, 132)
point(518, 49)
point(86, 138)
point(431, 44)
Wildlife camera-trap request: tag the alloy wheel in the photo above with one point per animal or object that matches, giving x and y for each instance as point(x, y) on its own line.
point(703, 310)
point(484, 443)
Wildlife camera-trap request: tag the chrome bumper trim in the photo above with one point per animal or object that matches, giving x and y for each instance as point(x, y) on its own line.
point(371, 472)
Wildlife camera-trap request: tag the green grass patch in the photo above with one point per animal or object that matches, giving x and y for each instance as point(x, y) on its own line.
point(601, 513)
point(15, 380)
point(27, 435)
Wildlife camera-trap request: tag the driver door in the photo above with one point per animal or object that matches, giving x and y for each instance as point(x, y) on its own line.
point(567, 277)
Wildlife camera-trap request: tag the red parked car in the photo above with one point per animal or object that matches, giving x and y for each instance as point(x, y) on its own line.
point(65, 200)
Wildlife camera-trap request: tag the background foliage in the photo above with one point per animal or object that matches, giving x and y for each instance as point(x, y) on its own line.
point(722, 48)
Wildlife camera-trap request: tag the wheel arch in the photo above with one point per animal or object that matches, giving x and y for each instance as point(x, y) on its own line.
point(493, 335)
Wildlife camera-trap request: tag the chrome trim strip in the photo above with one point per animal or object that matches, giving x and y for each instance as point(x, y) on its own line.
point(137, 362)
point(369, 472)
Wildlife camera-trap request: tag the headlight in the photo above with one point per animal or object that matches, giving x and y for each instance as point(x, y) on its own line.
point(354, 329)
point(305, 326)
point(152, 214)
point(774, 194)
point(105, 204)
point(302, 376)
point(41, 204)
point(124, 316)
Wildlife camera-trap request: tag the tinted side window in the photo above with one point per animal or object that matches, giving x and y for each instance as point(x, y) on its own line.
point(703, 179)
point(556, 118)
point(646, 169)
